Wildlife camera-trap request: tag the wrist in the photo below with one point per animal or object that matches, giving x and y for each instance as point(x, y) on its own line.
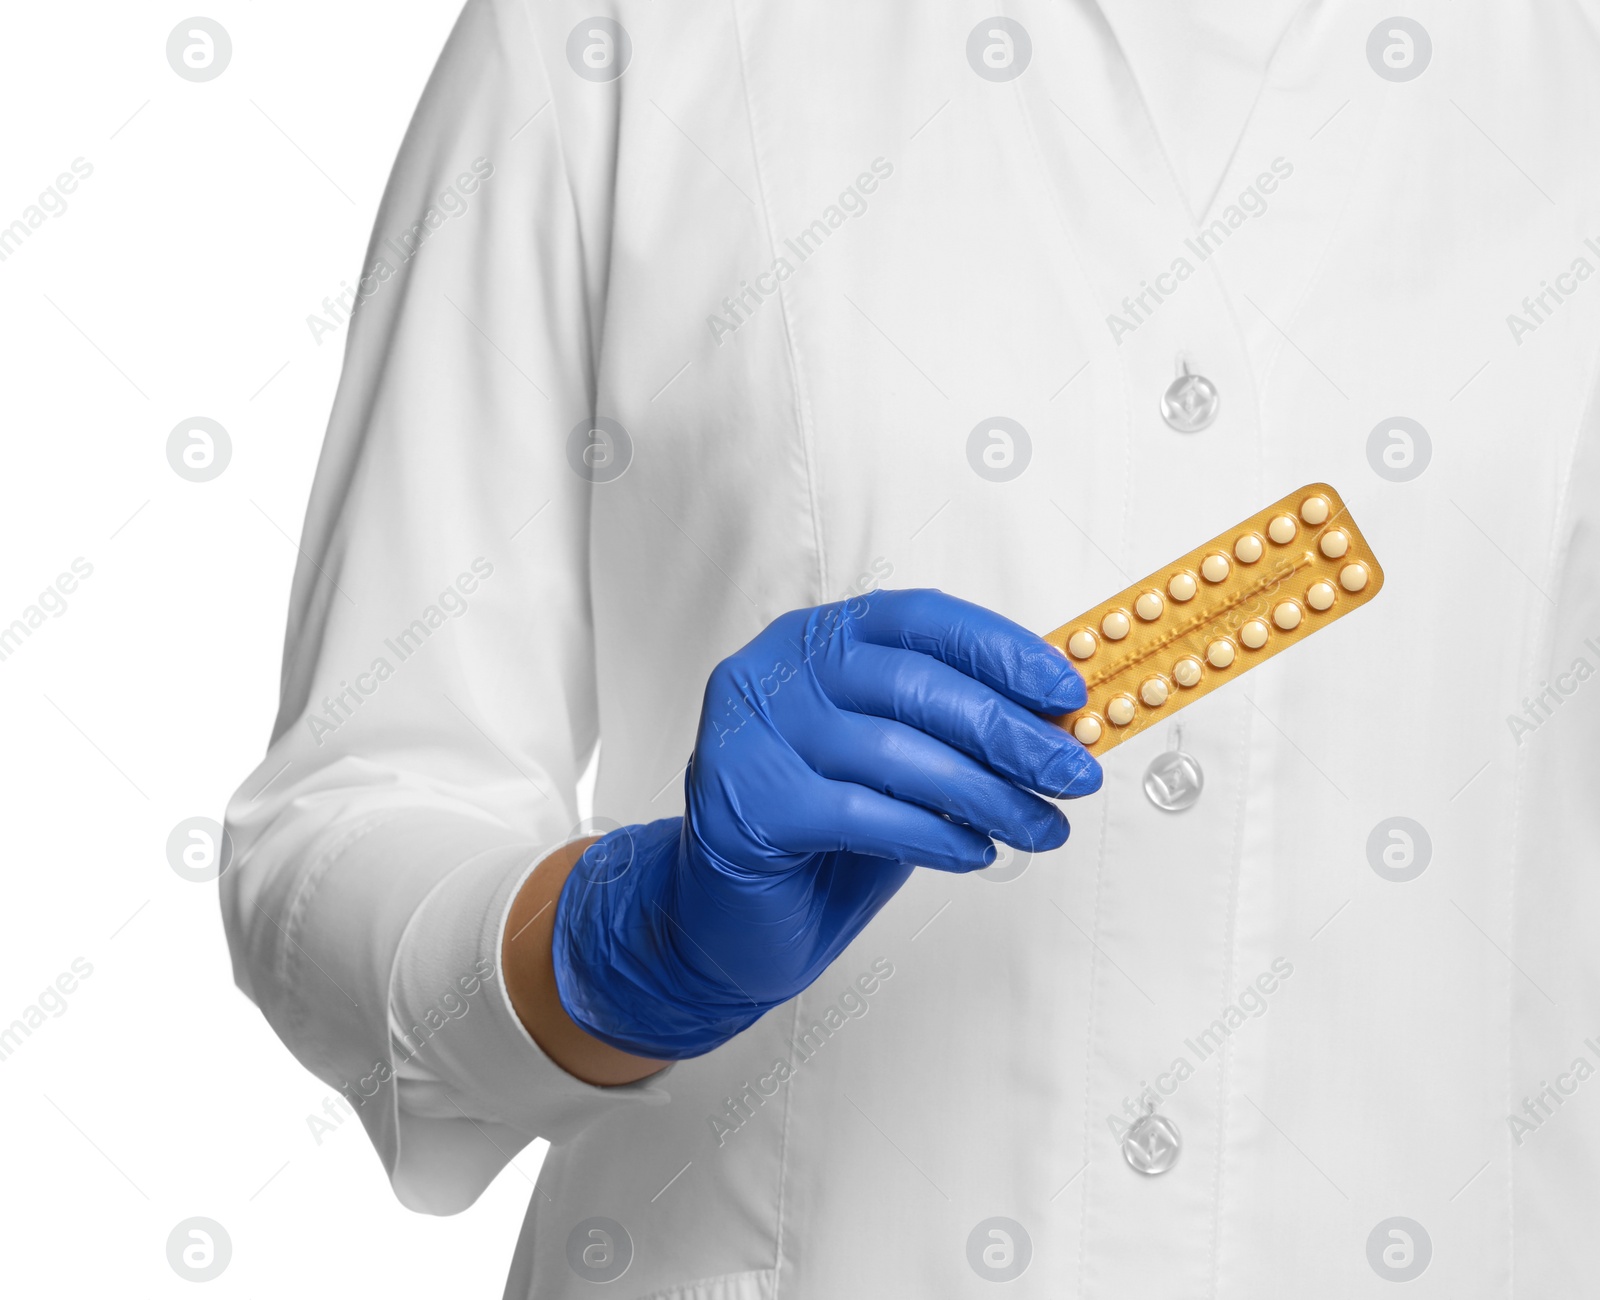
point(525, 959)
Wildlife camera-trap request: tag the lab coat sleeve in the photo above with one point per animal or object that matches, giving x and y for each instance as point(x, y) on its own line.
point(438, 694)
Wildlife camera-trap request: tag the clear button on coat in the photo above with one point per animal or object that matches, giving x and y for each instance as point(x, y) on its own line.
point(1173, 780)
point(1190, 403)
point(1153, 1144)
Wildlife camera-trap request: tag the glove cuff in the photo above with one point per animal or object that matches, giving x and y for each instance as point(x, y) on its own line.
point(618, 969)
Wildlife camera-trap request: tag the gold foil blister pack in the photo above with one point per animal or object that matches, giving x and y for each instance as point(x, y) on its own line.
point(1210, 615)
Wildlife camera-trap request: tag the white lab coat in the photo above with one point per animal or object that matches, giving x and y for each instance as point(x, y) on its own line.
point(909, 250)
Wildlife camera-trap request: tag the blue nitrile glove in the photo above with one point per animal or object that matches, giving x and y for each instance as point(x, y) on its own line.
point(842, 747)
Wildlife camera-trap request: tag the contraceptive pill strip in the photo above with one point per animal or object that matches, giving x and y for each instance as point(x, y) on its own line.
point(1215, 613)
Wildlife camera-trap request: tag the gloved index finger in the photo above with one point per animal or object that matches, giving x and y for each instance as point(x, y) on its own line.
point(1003, 655)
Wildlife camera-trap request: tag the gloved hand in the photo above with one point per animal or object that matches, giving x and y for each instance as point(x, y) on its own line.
point(843, 746)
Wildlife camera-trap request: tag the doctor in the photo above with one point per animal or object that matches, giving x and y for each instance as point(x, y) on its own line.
point(738, 384)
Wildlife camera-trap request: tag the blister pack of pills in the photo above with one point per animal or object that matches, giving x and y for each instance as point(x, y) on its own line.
point(1215, 613)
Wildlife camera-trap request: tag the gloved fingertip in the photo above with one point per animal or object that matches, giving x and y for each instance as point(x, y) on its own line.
point(1049, 837)
point(1069, 691)
point(1090, 777)
point(1072, 772)
point(964, 863)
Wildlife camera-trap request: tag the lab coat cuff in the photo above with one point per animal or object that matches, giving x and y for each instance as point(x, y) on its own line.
point(459, 1044)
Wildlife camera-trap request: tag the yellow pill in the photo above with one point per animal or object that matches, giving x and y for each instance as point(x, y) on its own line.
point(1314, 510)
point(1320, 595)
point(1282, 529)
point(1335, 542)
point(1149, 606)
point(1219, 654)
point(1086, 730)
point(1214, 568)
point(1287, 615)
point(1115, 625)
point(1153, 691)
point(1247, 550)
point(1186, 672)
point(1121, 710)
point(1353, 577)
point(1182, 586)
point(1081, 644)
point(1254, 634)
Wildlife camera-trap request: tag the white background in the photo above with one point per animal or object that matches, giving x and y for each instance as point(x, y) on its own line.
point(177, 283)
